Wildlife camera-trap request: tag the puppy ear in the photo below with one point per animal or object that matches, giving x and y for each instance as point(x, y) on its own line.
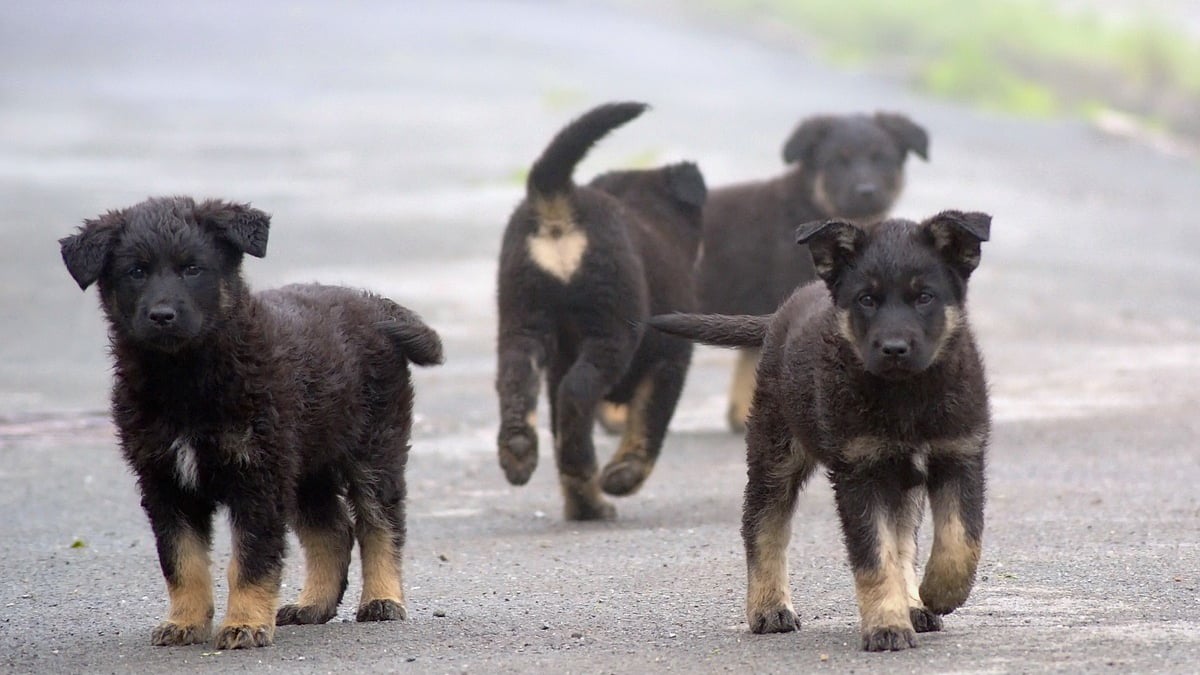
point(85, 252)
point(803, 141)
point(909, 135)
point(239, 224)
point(957, 237)
point(686, 183)
point(834, 244)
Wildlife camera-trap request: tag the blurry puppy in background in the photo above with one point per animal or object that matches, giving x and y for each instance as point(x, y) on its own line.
point(286, 406)
point(874, 375)
point(849, 167)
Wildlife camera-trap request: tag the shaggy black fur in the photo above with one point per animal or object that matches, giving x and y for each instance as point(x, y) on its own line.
point(849, 167)
point(875, 376)
point(283, 406)
point(580, 269)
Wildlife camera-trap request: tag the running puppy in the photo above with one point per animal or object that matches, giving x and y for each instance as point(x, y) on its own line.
point(581, 268)
point(849, 167)
point(878, 379)
point(282, 406)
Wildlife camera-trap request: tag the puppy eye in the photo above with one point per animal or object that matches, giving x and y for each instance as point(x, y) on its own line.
point(867, 301)
point(192, 270)
point(137, 273)
point(924, 298)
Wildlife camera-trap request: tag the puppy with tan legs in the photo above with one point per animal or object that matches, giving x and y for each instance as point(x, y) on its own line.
point(849, 167)
point(875, 375)
point(289, 406)
point(581, 268)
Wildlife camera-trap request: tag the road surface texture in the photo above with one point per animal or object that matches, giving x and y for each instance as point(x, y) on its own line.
point(389, 141)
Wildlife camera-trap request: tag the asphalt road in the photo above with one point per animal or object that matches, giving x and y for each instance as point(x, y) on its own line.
point(388, 140)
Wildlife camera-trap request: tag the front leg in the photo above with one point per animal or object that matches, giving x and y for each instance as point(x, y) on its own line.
point(183, 534)
point(255, 570)
point(871, 504)
point(956, 496)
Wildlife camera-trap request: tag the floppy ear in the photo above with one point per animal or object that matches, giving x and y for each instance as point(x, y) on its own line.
point(834, 244)
point(909, 135)
point(957, 236)
point(686, 183)
point(800, 145)
point(85, 252)
point(239, 224)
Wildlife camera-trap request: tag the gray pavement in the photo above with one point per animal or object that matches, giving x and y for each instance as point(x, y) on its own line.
point(388, 140)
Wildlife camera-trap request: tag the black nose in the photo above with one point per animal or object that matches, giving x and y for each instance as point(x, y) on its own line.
point(162, 315)
point(894, 348)
point(865, 189)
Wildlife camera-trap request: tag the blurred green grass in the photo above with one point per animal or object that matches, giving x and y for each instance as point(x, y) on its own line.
point(1028, 57)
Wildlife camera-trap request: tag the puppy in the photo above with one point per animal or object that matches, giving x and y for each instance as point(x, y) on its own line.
point(282, 406)
point(580, 270)
point(848, 167)
point(876, 377)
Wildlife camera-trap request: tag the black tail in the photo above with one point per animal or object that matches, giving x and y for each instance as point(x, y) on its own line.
point(412, 338)
point(551, 173)
point(715, 329)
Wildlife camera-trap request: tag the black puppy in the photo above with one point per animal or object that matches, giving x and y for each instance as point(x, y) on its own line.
point(282, 406)
point(884, 386)
point(580, 269)
point(849, 167)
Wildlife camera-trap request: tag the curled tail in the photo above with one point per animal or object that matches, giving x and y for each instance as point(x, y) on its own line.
point(418, 343)
point(551, 173)
point(715, 329)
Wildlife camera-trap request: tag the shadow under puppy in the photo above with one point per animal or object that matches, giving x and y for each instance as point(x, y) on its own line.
point(581, 268)
point(875, 376)
point(282, 406)
point(849, 167)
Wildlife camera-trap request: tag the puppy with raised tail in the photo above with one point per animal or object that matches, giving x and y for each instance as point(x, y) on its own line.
point(875, 375)
point(291, 406)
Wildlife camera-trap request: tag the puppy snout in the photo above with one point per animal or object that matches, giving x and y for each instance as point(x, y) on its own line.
point(865, 190)
point(162, 315)
point(895, 348)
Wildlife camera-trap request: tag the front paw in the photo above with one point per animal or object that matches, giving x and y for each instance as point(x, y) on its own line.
point(243, 636)
point(924, 621)
point(888, 639)
point(518, 454)
point(625, 475)
point(295, 615)
point(171, 634)
point(382, 610)
point(780, 619)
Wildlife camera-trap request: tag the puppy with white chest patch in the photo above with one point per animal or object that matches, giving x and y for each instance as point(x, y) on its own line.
point(874, 375)
point(581, 267)
point(290, 406)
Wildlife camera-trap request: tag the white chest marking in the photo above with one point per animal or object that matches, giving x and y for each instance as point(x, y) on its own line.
point(558, 256)
point(185, 463)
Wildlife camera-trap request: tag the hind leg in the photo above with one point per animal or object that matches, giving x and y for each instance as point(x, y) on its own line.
point(327, 537)
point(522, 357)
point(612, 416)
point(650, 414)
point(380, 528)
point(597, 368)
point(741, 391)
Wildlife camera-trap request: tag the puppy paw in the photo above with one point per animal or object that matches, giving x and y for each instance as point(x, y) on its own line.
point(924, 621)
point(583, 508)
point(624, 476)
point(171, 634)
point(295, 615)
point(244, 636)
point(888, 639)
point(518, 454)
point(381, 610)
point(773, 620)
